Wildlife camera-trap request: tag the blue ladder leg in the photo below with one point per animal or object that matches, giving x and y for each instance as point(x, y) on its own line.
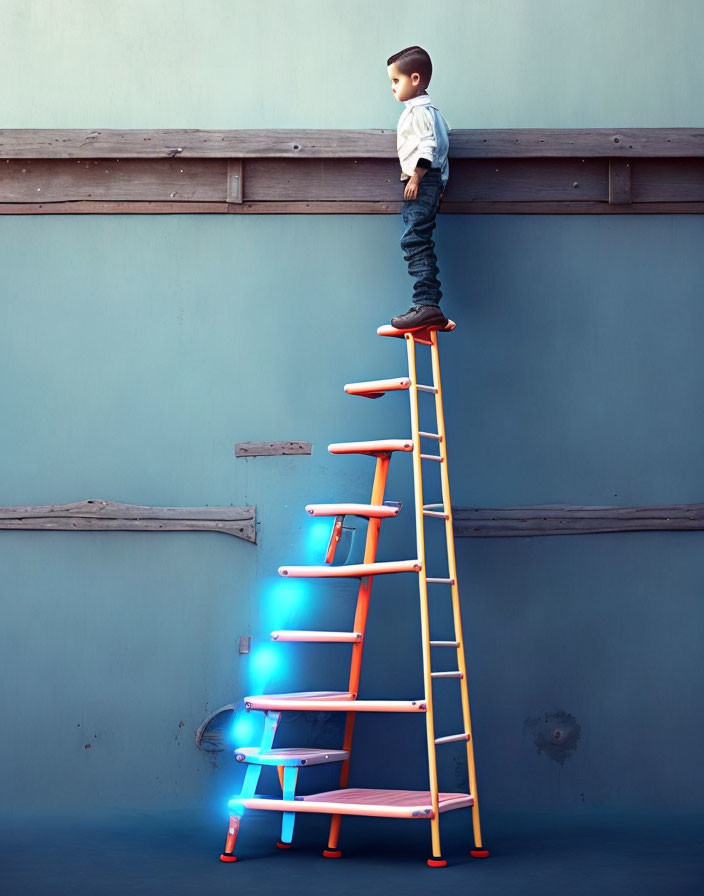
point(249, 787)
point(289, 792)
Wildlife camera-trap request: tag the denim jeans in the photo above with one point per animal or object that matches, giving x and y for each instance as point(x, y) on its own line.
point(418, 217)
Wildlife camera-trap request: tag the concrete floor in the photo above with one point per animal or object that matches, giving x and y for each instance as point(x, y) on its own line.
point(177, 853)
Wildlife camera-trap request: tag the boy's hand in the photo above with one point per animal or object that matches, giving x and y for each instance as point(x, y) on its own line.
point(411, 190)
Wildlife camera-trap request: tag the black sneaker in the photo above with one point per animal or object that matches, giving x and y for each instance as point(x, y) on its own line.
point(420, 316)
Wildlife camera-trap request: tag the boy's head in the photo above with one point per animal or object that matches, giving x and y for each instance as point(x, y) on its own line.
point(410, 71)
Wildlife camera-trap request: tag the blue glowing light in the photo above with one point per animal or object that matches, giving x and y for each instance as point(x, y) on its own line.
point(264, 660)
point(263, 664)
point(280, 600)
point(317, 538)
point(243, 730)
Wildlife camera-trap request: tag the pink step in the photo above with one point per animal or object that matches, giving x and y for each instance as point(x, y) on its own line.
point(330, 701)
point(289, 756)
point(359, 801)
point(317, 637)
point(377, 388)
point(353, 570)
point(370, 511)
point(374, 448)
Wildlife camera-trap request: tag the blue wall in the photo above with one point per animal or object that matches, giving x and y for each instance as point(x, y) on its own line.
point(136, 350)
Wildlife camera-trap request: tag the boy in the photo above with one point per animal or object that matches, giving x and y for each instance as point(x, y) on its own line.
point(423, 143)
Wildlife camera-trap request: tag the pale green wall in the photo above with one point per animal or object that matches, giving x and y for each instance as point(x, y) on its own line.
point(322, 63)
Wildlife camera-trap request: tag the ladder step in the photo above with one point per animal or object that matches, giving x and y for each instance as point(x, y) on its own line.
point(452, 737)
point(444, 643)
point(435, 457)
point(374, 448)
point(311, 637)
point(377, 388)
point(433, 506)
point(289, 756)
point(431, 435)
point(331, 702)
point(427, 389)
point(370, 511)
point(440, 581)
point(435, 513)
point(358, 801)
point(354, 570)
point(455, 674)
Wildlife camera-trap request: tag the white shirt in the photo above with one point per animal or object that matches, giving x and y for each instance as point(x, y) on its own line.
point(422, 133)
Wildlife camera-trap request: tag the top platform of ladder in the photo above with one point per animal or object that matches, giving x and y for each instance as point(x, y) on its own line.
point(420, 334)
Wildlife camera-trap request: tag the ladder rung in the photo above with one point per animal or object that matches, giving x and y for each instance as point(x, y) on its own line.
point(455, 674)
point(427, 389)
point(376, 388)
point(444, 643)
point(435, 513)
point(440, 581)
point(351, 571)
point(432, 457)
point(371, 511)
point(302, 702)
point(447, 740)
point(431, 435)
point(289, 756)
point(432, 506)
point(314, 637)
point(375, 448)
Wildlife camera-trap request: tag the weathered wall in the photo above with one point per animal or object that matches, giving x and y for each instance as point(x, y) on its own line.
point(135, 352)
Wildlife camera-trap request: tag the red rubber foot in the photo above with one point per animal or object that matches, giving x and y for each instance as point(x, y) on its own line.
point(437, 863)
point(283, 845)
point(480, 853)
point(225, 858)
point(332, 853)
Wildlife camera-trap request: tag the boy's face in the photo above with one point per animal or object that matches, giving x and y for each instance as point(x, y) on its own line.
point(404, 87)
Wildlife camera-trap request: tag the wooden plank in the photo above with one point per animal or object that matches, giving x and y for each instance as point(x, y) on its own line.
point(348, 208)
point(276, 180)
point(537, 180)
point(92, 515)
point(48, 143)
point(660, 180)
point(377, 180)
point(619, 181)
point(268, 449)
point(346, 186)
point(57, 180)
point(552, 519)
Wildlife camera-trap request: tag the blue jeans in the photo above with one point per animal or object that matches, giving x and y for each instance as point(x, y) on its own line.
point(418, 217)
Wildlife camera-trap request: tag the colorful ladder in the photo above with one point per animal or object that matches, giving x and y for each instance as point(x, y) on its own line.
point(430, 804)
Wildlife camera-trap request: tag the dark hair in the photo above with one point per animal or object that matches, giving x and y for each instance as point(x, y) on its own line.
point(413, 59)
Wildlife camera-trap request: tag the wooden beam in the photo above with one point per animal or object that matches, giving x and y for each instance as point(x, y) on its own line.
point(348, 208)
point(49, 143)
point(270, 449)
point(329, 179)
point(92, 515)
point(555, 519)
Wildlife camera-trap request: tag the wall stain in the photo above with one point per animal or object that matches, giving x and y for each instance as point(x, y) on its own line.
point(554, 733)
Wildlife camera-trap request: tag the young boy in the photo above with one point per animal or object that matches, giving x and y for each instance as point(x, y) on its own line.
point(422, 143)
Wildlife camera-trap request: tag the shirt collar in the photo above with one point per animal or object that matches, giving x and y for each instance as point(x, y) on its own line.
point(422, 100)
